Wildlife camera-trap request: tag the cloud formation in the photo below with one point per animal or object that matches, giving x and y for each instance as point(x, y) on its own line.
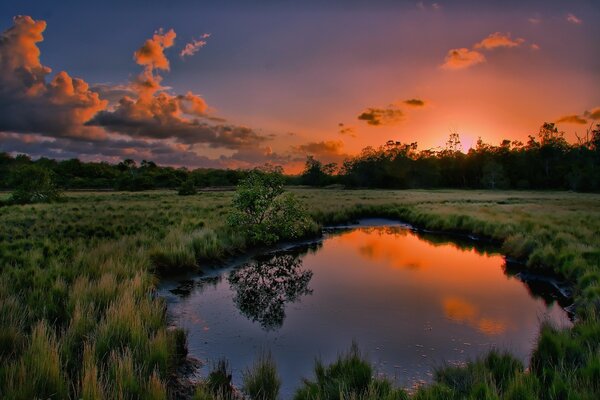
point(574, 19)
point(572, 119)
point(344, 129)
point(498, 39)
point(29, 104)
point(153, 113)
point(391, 115)
point(326, 151)
point(593, 114)
point(415, 102)
point(194, 46)
point(581, 119)
point(64, 117)
point(462, 58)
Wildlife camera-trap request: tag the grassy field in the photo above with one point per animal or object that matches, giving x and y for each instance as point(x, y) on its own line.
point(79, 319)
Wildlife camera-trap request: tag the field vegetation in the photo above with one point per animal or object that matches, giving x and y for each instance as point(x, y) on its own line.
point(79, 317)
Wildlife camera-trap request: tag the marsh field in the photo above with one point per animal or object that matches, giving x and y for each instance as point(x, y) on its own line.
point(81, 316)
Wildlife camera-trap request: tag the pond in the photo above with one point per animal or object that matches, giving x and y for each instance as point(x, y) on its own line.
point(411, 301)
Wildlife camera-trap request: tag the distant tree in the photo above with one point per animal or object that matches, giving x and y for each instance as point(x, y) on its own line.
point(316, 173)
point(34, 184)
point(264, 212)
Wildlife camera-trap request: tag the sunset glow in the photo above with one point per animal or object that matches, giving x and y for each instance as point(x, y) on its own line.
point(209, 85)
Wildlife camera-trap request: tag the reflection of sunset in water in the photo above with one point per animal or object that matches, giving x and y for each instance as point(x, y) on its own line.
point(469, 286)
point(459, 310)
point(410, 301)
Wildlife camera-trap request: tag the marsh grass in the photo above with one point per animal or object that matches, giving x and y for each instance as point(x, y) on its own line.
point(78, 318)
point(349, 377)
point(261, 381)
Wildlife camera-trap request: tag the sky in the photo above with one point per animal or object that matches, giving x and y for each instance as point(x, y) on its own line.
point(231, 84)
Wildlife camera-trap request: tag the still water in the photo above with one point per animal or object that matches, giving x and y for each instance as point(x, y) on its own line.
point(410, 301)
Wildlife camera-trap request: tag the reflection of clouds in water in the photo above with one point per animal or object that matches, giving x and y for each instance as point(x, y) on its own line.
point(262, 289)
point(379, 244)
point(461, 311)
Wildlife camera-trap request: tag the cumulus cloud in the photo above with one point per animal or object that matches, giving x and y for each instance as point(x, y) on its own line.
point(154, 113)
point(30, 104)
point(112, 92)
point(572, 18)
point(498, 39)
point(535, 20)
point(63, 117)
point(326, 151)
point(534, 46)
point(391, 115)
point(462, 58)
point(194, 46)
point(152, 53)
point(572, 119)
point(593, 114)
point(415, 102)
point(344, 129)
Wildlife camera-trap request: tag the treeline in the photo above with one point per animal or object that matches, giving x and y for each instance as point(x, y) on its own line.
point(126, 175)
point(547, 161)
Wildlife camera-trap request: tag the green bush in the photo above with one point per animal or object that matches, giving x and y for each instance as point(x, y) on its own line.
point(34, 184)
point(187, 188)
point(265, 213)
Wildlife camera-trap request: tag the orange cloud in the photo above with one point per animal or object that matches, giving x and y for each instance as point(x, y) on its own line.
point(572, 119)
point(594, 114)
point(194, 46)
point(329, 147)
point(415, 102)
point(28, 104)
point(155, 114)
point(498, 39)
point(152, 52)
point(346, 130)
point(462, 58)
point(382, 116)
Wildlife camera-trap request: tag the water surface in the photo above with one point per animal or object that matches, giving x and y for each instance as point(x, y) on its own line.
point(410, 301)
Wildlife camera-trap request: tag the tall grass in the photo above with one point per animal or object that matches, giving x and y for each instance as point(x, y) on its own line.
point(349, 377)
point(78, 318)
point(261, 382)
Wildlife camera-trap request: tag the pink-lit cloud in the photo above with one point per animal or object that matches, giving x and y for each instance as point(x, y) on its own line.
point(31, 104)
point(462, 58)
point(572, 18)
point(498, 39)
point(194, 46)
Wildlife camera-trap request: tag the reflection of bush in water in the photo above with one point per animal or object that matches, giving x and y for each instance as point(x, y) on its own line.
point(263, 288)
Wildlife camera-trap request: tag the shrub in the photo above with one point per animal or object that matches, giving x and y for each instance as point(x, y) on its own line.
point(187, 188)
point(350, 374)
point(218, 383)
point(264, 212)
point(262, 381)
point(34, 184)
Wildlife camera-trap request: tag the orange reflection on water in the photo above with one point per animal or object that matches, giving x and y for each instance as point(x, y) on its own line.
point(461, 311)
point(469, 285)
